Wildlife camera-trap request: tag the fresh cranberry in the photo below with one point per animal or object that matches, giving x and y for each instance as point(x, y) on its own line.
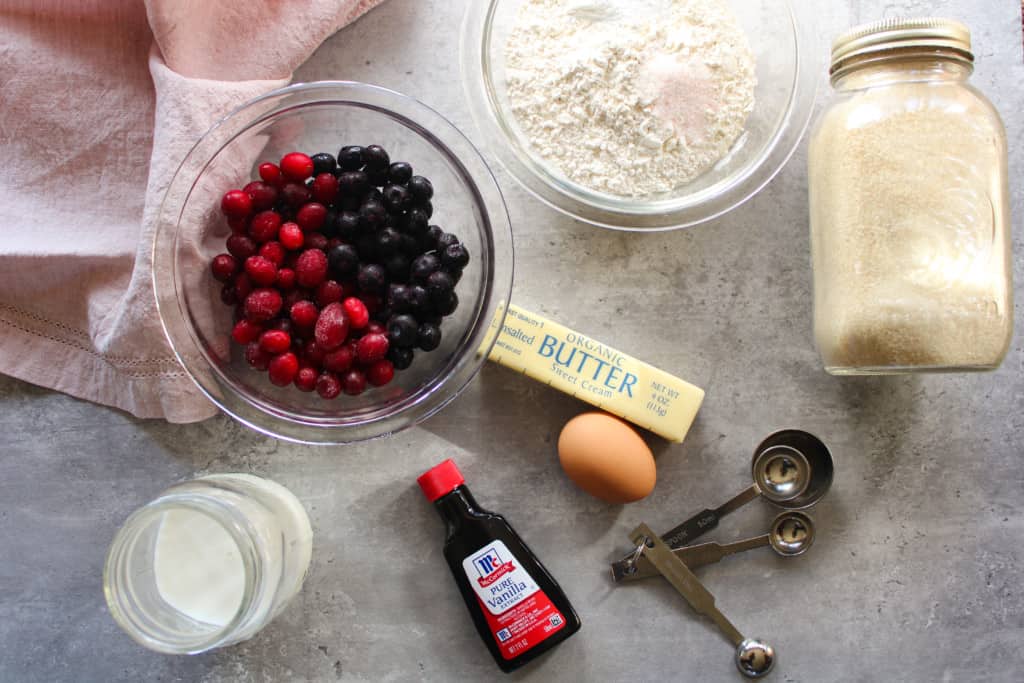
point(236, 203)
point(305, 378)
point(241, 247)
point(286, 279)
point(311, 268)
point(311, 216)
point(304, 313)
point(340, 359)
point(239, 225)
point(328, 385)
point(354, 382)
point(261, 271)
point(273, 252)
point(380, 373)
point(228, 295)
point(358, 316)
point(349, 288)
point(315, 240)
point(264, 226)
point(224, 267)
point(246, 331)
point(262, 304)
point(263, 195)
point(296, 166)
point(256, 356)
point(325, 188)
point(283, 368)
point(270, 173)
point(295, 194)
point(275, 341)
point(312, 353)
point(291, 236)
point(243, 286)
point(331, 329)
point(371, 348)
point(328, 292)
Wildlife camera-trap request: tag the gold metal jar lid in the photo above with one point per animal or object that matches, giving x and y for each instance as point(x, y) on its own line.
point(894, 34)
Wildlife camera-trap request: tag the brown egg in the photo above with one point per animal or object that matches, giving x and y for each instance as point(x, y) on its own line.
point(605, 457)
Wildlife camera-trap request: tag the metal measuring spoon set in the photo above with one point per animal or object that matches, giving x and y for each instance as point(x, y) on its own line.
point(791, 469)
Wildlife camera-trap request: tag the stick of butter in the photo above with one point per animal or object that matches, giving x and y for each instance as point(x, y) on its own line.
point(596, 373)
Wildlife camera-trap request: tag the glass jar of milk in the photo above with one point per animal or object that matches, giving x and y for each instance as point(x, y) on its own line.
point(207, 563)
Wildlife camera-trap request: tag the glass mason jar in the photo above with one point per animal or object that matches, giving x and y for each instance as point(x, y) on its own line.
point(909, 207)
point(207, 563)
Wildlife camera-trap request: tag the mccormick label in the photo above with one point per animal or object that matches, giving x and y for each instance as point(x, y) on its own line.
point(517, 610)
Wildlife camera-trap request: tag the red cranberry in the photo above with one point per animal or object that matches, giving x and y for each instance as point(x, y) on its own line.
point(270, 173)
point(262, 304)
point(372, 348)
point(311, 268)
point(305, 378)
point(241, 247)
point(243, 286)
point(373, 302)
point(328, 386)
point(224, 267)
point(325, 188)
point(264, 226)
point(263, 195)
point(256, 356)
point(380, 373)
point(236, 203)
point(312, 353)
point(283, 369)
point(261, 271)
point(328, 292)
point(311, 216)
point(315, 240)
point(354, 382)
point(340, 359)
point(295, 194)
point(286, 279)
point(275, 341)
point(291, 236)
point(304, 313)
point(239, 225)
point(296, 166)
point(375, 327)
point(358, 316)
point(273, 252)
point(227, 294)
point(246, 331)
point(331, 329)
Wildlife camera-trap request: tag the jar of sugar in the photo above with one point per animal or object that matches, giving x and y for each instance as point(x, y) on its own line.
point(909, 207)
point(208, 563)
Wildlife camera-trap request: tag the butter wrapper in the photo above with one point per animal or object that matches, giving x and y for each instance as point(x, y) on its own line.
point(596, 373)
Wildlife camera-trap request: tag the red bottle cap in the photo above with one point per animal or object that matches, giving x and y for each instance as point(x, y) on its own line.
point(440, 480)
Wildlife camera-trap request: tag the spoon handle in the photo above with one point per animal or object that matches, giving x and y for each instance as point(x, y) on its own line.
point(694, 556)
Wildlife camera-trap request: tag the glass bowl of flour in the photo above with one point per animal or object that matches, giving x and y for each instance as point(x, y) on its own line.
point(641, 114)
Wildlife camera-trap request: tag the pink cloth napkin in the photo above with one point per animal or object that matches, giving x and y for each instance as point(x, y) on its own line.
point(100, 101)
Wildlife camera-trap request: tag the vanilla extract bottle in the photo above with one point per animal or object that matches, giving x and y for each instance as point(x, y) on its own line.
point(517, 606)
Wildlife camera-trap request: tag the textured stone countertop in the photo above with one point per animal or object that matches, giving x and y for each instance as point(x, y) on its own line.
point(917, 571)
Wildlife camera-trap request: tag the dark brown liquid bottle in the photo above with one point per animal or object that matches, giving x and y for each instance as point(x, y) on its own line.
point(518, 608)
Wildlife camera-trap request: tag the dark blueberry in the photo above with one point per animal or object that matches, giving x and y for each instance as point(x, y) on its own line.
point(350, 158)
point(347, 225)
point(353, 183)
point(367, 247)
point(455, 257)
point(350, 203)
point(330, 226)
point(373, 194)
point(448, 305)
point(372, 278)
point(343, 260)
point(456, 275)
point(439, 285)
point(392, 221)
point(432, 235)
point(376, 158)
point(416, 222)
point(400, 172)
point(398, 299)
point(396, 198)
point(428, 337)
point(388, 242)
point(446, 240)
point(399, 357)
point(409, 245)
point(428, 208)
point(378, 178)
point(421, 188)
point(382, 315)
point(423, 266)
point(419, 302)
point(397, 267)
point(323, 163)
point(403, 330)
point(372, 214)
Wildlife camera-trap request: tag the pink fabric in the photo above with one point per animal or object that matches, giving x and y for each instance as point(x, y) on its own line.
point(100, 100)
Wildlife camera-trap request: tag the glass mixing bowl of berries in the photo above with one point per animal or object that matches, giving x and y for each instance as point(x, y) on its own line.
point(331, 262)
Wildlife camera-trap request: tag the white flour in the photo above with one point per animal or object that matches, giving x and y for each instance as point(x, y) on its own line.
point(630, 97)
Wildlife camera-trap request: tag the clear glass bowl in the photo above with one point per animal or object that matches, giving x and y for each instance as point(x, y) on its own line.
point(315, 117)
point(788, 72)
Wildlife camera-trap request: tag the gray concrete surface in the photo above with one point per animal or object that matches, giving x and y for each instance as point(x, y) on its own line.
point(917, 572)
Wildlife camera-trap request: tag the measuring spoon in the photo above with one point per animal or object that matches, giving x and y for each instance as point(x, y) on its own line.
point(791, 468)
point(791, 534)
point(754, 657)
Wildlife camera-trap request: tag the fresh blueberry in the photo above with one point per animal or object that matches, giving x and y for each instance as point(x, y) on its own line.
point(388, 242)
point(396, 198)
point(428, 336)
point(376, 158)
point(372, 278)
point(323, 163)
point(372, 214)
point(403, 330)
point(446, 240)
point(439, 285)
point(399, 357)
point(353, 183)
point(397, 266)
point(350, 158)
point(419, 302)
point(448, 305)
point(409, 245)
point(428, 208)
point(455, 257)
point(416, 222)
point(343, 260)
point(423, 266)
point(347, 225)
point(400, 172)
point(398, 299)
point(421, 188)
point(377, 177)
